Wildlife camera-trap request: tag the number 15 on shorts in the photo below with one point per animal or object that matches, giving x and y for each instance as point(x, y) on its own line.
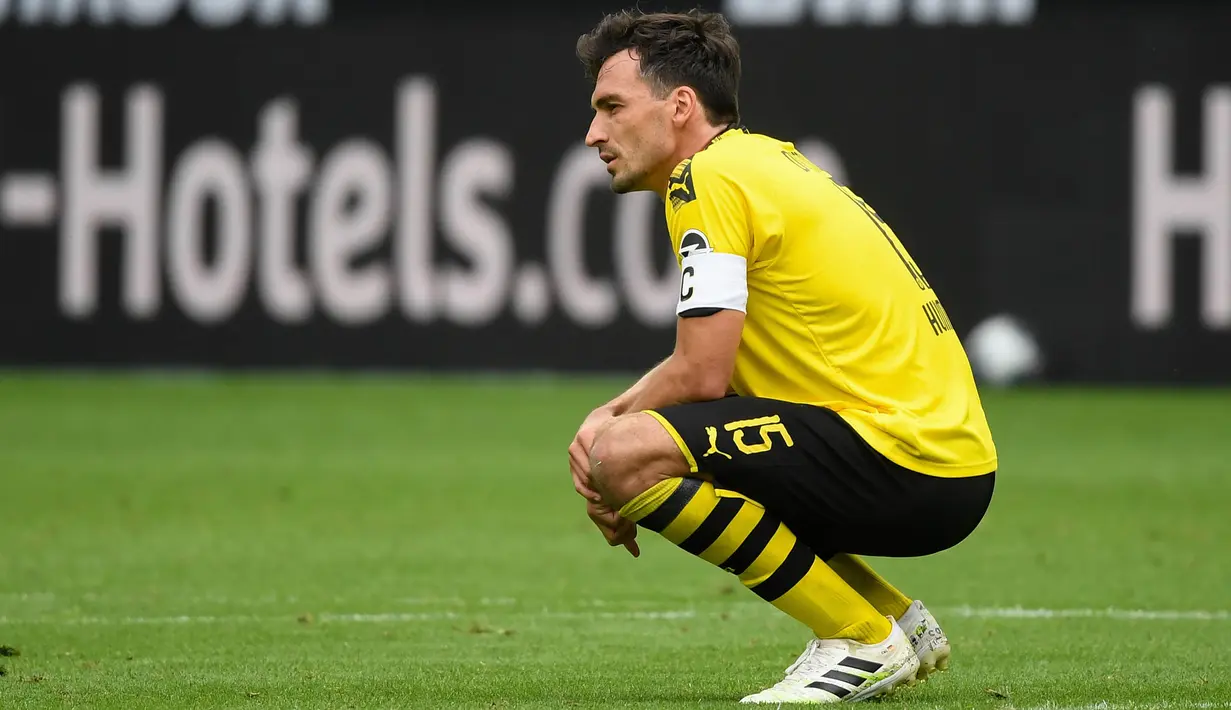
point(749, 436)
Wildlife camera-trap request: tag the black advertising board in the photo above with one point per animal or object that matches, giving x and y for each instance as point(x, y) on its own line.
point(410, 190)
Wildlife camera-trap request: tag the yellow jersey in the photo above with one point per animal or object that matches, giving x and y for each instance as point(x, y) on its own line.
point(837, 313)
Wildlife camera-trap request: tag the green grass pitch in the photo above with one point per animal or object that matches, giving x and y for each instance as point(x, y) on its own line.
point(258, 542)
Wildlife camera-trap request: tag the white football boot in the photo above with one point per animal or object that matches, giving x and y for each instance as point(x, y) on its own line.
point(844, 671)
point(927, 638)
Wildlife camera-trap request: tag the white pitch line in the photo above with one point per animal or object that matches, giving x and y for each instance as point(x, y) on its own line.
point(969, 612)
point(677, 614)
point(386, 618)
point(135, 620)
point(234, 619)
point(327, 617)
point(432, 601)
point(1018, 612)
point(456, 601)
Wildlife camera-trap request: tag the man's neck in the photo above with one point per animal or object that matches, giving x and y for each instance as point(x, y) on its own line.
point(710, 136)
point(690, 146)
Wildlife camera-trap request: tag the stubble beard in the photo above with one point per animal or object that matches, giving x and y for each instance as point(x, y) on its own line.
point(624, 184)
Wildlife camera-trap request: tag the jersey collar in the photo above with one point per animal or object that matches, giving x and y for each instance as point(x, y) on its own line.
point(730, 129)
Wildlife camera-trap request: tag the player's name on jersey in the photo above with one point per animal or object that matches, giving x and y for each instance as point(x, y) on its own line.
point(938, 317)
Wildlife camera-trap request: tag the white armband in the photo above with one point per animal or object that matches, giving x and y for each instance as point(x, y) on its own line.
point(712, 280)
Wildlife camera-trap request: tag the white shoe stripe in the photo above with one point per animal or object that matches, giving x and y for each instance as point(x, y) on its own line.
point(843, 677)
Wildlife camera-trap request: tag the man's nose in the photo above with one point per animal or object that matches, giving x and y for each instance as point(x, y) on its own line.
point(596, 134)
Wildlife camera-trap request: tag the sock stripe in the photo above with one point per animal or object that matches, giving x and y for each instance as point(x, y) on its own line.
point(690, 518)
point(752, 546)
point(662, 516)
point(746, 518)
point(791, 572)
point(713, 526)
point(738, 535)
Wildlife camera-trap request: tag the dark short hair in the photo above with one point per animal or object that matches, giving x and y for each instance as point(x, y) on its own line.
point(694, 48)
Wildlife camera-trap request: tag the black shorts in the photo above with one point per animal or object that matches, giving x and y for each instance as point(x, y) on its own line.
point(813, 472)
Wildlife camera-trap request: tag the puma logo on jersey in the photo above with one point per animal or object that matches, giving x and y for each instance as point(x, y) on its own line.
point(679, 185)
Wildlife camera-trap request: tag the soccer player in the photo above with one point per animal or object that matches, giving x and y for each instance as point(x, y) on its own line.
point(817, 405)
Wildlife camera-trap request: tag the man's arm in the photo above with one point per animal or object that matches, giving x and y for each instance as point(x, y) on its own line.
point(620, 404)
point(712, 234)
point(700, 368)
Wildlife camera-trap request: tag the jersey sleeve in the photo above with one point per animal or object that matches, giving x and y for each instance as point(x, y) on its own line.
point(710, 227)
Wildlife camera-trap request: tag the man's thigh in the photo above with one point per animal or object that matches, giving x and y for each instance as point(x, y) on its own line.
point(809, 469)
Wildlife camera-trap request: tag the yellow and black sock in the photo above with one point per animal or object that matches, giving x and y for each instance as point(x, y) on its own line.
point(870, 585)
point(735, 533)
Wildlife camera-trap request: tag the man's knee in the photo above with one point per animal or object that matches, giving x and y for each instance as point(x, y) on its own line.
point(630, 455)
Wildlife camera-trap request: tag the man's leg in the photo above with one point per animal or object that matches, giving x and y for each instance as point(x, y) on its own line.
point(643, 467)
point(645, 473)
point(815, 474)
point(926, 637)
point(870, 585)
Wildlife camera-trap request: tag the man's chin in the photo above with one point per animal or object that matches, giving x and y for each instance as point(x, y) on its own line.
point(622, 185)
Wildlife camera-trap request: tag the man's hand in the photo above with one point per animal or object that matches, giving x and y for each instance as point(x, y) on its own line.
point(617, 530)
point(579, 452)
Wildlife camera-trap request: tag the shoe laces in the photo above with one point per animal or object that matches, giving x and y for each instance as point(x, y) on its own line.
point(817, 655)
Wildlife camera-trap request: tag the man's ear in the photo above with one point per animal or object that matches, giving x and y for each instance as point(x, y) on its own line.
point(686, 104)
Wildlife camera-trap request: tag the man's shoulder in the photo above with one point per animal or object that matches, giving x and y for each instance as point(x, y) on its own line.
point(701, 176)
point(737, 156)
point(734, 158)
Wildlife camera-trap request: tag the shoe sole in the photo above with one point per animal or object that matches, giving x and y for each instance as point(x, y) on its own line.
point(903, 677)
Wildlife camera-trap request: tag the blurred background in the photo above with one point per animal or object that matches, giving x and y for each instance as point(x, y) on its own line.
point(389, 281)
point(368, 184)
